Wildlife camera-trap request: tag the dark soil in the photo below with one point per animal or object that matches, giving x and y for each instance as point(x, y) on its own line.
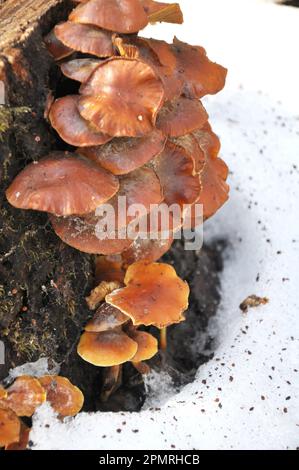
point(43, 282)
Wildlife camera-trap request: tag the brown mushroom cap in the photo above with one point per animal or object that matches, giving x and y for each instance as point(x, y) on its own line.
point(10, 427)
point(181, 116)
point(69, 124)
point(146, 249)
point(213, 177)
point(191, 146)
point(107, 348)
point(140, 187)
point(85, 38)
point(157, 54)
point(154, 295)
point(201, 76)
point(23, 440)
point(122, 16)
point(24, 396)
point(56, 48)
point(167, 12)
point(122, 97)
point(175, 168)
point(81, 233)
point(80, 69)
point(62, 184)
point(106, 318)
point(125, 154)
point(65, 398)
point(147, 345)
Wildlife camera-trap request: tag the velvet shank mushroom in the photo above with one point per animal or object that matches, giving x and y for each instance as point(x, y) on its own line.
point(122, 16)
point(62, 184)
point(24, 396)
point(122, 98)
point(154, 295)
point(65, 398)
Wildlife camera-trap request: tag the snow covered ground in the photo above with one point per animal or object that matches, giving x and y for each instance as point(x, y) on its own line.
point(247, 397)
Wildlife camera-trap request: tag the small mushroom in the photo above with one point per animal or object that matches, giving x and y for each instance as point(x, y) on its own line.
point(24, 396)
point(56, 48)
point(62, 184)
point(107, 348)
point(176, 171)
point(82, 233)
point(122, 16)
point(122, 97)
point(85, 38)
point(80, 69)
point(106, 318)
point(154, 295)
point(181, 116)
point(70, 125)
point(10, 427)
point(201, 76)
point(167, 12)
point(125, 154)
point(64, 397)
point(99, 293)
point(147, 345)
point(23, 439)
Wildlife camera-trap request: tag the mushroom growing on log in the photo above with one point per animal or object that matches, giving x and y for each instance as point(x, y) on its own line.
point(135, 127)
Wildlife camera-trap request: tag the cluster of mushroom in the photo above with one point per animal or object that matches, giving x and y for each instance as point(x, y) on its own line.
point(24, 396)
point(137, 125)
point(112, 337)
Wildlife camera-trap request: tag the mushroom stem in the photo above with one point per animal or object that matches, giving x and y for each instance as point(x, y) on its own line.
point(141, 367)
point(163, 338)
point(112, 380)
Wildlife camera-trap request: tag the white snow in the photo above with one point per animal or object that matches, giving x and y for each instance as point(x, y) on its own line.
point(249, 397)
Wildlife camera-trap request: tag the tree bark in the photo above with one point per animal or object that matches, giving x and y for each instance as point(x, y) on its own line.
point(42, 281)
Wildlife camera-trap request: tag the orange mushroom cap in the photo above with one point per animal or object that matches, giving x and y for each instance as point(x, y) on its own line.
point(147, 345)
point(64, 397)
point(24, 396)
point(107, 348)
point(201, 76)
point(106, 318)
point(3, 393)
point(154, 295)
point(167, 12)
point(122, 97)
point(56, 48)
point(62, 184)
point(81, 233)
point(85, 38)
point(175, 169)
point(23, 440)
point(10, 427)
point(181, 116)
point(146, 249)
point(80, 69)
point(69, 124)
point(125, 154)
point(98, 294)
point(122, 16)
